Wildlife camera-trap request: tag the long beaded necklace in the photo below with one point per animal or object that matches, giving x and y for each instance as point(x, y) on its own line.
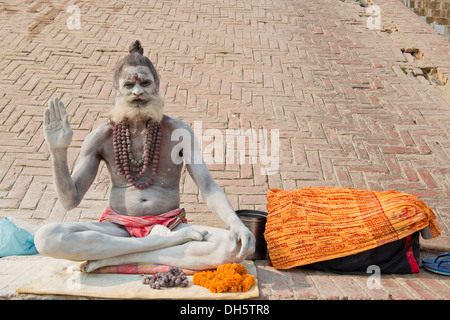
point(125, 162)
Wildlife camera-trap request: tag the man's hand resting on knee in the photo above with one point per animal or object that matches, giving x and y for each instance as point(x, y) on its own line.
point(239, 234)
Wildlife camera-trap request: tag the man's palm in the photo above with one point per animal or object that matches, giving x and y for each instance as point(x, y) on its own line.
point(57, 130)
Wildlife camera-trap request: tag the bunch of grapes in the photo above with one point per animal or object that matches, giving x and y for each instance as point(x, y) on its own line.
point(175, 277)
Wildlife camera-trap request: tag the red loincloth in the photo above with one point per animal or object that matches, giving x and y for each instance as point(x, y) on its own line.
point(141, 226)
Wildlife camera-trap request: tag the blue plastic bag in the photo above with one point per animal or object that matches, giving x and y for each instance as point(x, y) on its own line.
point(15, 241)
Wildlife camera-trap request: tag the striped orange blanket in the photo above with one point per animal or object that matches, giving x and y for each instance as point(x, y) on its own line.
point(315, 224)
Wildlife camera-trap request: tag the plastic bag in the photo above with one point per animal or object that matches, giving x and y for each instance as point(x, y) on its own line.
point(14, 240)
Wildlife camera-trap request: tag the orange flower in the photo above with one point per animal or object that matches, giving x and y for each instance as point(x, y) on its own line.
point(230, 277)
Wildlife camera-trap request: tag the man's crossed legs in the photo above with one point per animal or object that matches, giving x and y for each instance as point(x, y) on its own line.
point(106, 243)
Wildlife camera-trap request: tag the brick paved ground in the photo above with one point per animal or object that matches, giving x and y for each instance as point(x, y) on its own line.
point(354, 107)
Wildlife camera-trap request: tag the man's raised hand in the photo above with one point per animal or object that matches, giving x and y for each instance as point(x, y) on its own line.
point(57, 130)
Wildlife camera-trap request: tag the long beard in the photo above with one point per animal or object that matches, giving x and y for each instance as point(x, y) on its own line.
point(126, 108)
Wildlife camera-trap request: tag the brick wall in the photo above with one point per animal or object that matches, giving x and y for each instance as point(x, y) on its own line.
point(436, 11)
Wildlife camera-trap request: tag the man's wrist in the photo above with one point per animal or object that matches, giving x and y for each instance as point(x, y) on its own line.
point(235, 221)
point(58, 153)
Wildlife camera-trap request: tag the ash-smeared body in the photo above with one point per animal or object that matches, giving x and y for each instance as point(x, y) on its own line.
point(105, 243)
point(163, 195)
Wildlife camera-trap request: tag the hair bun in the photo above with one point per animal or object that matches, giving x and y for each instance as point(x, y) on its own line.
point(136, 47)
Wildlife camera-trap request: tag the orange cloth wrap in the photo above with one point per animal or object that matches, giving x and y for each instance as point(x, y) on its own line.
point(315, 224)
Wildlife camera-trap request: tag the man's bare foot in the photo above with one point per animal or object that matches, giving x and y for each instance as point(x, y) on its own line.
point(185, 234)
point(189, 234)
point(90, 266)
point(160, 230)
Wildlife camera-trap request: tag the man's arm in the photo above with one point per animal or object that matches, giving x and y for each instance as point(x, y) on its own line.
point(215, 197)
point(58, 135)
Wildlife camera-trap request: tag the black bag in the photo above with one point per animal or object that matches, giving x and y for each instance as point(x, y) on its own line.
point(400, 256)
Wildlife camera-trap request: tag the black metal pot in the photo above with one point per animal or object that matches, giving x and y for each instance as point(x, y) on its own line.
point(255, 221)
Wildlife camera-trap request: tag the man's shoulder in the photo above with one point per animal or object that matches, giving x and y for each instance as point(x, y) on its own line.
point(175, 124)
point(103, 130)
point(99, 135)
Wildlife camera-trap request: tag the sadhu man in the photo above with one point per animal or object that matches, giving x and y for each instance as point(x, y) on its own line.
point(143, 221)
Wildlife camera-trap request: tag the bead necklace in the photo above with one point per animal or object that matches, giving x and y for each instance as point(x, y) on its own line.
point(124, 159)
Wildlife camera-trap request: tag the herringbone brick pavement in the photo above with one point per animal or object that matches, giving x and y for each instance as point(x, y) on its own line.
point(354, 107)
point(347, 113)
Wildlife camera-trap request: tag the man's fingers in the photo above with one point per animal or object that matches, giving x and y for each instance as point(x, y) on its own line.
point(46, 116)
point(51, 111)
point(247, 243)
point(233, 241)
point(61, 109)
point(66, 125)
point(244, 248)
point(56, 108)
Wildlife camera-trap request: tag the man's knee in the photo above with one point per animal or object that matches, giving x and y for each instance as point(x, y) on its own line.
point(48, 238)
point(224, 253)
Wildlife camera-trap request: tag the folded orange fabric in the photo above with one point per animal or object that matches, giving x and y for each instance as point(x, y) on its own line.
point(141, 226)
point(315, 224)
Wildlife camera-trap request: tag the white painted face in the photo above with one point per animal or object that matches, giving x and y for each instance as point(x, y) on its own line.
point(137, 96)
point(136, 84)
